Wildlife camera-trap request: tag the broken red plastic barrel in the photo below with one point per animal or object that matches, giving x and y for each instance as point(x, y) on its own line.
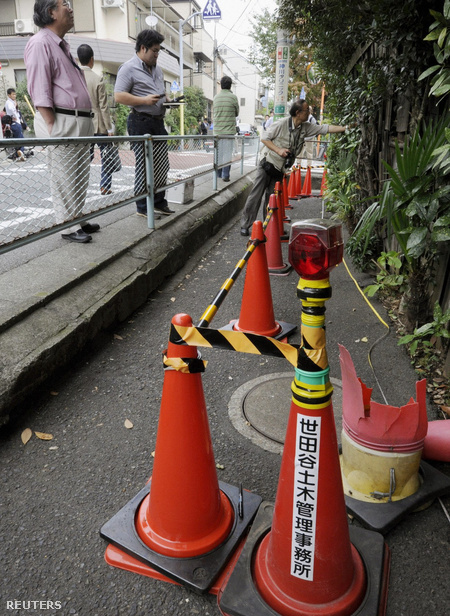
point(381, 427)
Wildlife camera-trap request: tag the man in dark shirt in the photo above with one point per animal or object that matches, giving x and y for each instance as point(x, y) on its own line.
point(140, 85)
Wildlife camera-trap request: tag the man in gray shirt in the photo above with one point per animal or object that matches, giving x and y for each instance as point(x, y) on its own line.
point(284, 142)
point(140, 85)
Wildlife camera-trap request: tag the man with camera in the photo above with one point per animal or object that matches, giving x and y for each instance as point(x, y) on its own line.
point(282, 145)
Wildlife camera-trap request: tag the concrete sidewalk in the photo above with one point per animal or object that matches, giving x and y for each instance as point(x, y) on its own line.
point(52, 305)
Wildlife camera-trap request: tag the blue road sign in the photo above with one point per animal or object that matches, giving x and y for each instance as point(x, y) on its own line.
point(211, 10)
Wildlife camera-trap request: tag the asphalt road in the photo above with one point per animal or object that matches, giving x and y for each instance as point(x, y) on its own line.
point(56, 494)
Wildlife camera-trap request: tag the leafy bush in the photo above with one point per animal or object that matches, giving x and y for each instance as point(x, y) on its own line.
point(120, 115)
point(426, 336)
point(21, 93)
point(389, 277)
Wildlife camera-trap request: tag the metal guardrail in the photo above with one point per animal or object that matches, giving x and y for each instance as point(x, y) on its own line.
point(27, 186)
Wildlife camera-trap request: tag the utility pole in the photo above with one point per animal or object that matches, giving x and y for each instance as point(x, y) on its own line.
point(181, 54)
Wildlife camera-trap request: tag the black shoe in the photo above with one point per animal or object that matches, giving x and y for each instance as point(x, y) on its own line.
point(164, 209)
point(244, 231)
point(144, 214)
point(90, 227)
point(78, 236)
point(226, 179)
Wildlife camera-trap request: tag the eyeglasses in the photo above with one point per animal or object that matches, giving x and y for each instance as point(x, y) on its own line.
point(155, 51)
point(66, 3)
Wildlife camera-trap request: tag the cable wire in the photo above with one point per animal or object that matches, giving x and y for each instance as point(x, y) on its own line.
point(369, 358)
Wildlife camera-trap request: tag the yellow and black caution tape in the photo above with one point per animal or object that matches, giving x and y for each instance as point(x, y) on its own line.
point(188, 365)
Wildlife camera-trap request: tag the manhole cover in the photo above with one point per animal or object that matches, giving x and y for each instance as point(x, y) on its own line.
point(259, 409)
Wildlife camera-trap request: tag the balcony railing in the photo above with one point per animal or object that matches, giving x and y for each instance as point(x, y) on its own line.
point(7, 29)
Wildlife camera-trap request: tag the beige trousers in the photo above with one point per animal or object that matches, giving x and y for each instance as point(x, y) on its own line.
point(68, 164)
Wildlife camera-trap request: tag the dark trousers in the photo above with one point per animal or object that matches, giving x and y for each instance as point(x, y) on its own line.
point(139, 124)
point(105, 177)
point(263, 187)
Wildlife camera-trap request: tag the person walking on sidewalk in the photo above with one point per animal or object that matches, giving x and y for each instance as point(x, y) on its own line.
point(59, 92)
point(282, 144)
point(225, 111)
point(102, 117)
point(140, 85)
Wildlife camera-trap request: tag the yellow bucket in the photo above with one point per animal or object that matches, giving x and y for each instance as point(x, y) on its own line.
point(378, 476)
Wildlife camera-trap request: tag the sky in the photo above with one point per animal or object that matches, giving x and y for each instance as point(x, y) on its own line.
point(233, 28)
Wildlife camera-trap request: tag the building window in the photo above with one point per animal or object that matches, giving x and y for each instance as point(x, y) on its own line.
point(199, 64)
point(20, 74)
point(133, 17)
point(8, 11)
point(242, 103)
point(83, 12)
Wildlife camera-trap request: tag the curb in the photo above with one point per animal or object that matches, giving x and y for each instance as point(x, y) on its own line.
point(45, 330)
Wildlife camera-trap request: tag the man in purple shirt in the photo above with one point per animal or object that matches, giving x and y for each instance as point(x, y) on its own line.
point(60, 95)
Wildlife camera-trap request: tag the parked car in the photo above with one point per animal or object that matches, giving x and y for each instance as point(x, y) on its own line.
point(246, 130)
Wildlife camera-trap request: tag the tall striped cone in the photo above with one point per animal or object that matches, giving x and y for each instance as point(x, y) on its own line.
point(287, 205)
point(305, 563)
point(273, 244)
point(257, 315)
point(182, 516)
point(306, 190)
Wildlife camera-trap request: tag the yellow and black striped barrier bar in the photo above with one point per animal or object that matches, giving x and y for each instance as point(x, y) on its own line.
point(230, 340)
point(301, 357)
point(268, 217)
point(210, 312)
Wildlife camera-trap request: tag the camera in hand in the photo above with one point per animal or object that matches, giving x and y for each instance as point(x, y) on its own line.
point(289, 160)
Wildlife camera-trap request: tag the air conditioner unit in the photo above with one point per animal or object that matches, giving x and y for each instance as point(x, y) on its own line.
point(23, 26)
point(109, 4)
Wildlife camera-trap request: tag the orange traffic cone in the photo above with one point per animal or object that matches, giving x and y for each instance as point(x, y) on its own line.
point(306, 190)
point(292, 187)
point(306, 563)
point(305, 560)
point(323, 185)
point(298, 184)
point(182, 515)
point(284, 199)
point(284, 235)
point(273, 244)
point(287, 205)
point(257, 315)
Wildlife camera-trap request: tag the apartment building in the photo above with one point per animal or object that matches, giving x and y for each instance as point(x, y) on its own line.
point(247, 82)
point(110, 27)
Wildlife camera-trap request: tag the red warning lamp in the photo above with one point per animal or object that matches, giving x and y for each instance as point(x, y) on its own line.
point(315, 247)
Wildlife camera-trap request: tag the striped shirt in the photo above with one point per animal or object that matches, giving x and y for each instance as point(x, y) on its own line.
point(225, 111)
